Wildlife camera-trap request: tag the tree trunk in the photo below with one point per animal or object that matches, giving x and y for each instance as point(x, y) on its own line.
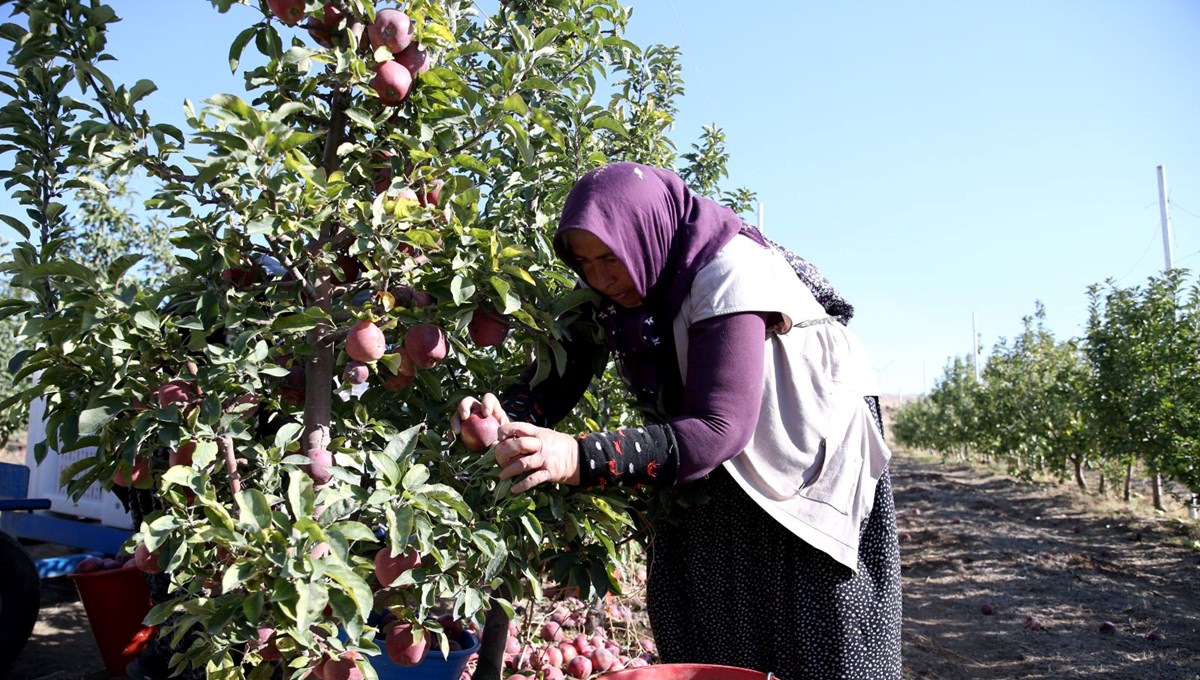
point(1103, 485)
point(1157, 485)
point(492, 641)
point(1129, 481)
point(1079, 479)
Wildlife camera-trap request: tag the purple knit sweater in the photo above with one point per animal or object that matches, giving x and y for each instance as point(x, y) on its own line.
point(721, 407)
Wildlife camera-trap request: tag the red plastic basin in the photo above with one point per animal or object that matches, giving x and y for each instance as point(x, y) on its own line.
point(687, 671)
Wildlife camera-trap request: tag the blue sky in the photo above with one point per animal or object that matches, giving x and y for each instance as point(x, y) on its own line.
point(934, 159)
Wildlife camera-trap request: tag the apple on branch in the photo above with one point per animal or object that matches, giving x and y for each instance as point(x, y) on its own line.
point(289, 12)
point(392, 82)
point(478, 431)
point(393, 29)
point(365, 342)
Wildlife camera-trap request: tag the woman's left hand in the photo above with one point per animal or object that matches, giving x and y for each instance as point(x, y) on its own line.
point(547, 456)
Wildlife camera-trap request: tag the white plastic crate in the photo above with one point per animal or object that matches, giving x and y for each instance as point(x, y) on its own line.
point(96, 503)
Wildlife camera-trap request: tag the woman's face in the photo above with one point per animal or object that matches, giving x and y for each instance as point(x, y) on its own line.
point(602, 269)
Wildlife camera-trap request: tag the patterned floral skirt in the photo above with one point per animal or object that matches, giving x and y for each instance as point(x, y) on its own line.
point(729, 585)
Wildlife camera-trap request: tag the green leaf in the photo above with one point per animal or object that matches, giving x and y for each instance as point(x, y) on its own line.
point(146, 319)
point(205, 454)
point(238, 46)
point(96, 415)
point(461, 289)
point(416, 476)
point(400, 527)
point(287, 434)
point(140, 89)
point(300, 495)
point(253, 509)
point(352, 584)
point(606, 122)
point(361, 117)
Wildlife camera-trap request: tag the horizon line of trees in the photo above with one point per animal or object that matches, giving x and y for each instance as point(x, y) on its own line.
point(1122, 398)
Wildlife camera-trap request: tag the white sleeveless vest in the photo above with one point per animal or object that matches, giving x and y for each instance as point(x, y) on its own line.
point(815, 456)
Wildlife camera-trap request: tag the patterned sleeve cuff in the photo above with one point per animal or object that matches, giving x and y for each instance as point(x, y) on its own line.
point(521, 406)
point(638, 456)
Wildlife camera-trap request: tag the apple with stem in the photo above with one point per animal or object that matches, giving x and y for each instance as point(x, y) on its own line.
point(389, 567)
point(414, 58)
point(401, 647)
point(392, 82)
point(365, 342)
point(478, 432)
point(426, 345)
point(487, 329)
point(145, 560)
point(289, 12)
point(393, 29)
point(320, 462)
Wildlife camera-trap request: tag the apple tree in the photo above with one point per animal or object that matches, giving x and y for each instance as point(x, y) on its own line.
point(342, 231)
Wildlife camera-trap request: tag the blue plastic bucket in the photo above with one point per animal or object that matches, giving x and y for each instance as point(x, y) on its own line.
point(434, 667)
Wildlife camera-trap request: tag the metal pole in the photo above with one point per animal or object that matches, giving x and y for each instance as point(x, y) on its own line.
point(1169, 263)
point(1164, 213)
point(762, 227)
point(975, 347)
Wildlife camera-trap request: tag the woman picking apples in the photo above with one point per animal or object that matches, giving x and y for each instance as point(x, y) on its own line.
point(755, 393)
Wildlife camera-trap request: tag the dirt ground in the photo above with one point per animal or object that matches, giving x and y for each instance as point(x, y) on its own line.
point(970, 536)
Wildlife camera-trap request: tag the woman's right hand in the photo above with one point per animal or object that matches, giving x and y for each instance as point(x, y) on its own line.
point(490, 406)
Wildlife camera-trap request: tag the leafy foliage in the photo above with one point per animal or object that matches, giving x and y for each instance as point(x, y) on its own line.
point(1125, 392)
point(295, 212)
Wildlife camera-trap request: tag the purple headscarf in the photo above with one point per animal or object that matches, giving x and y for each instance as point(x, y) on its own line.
point(654, 224)
point(664, 235)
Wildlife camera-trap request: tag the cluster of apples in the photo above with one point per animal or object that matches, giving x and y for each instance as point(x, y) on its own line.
point(392, 29)
point(570, 643)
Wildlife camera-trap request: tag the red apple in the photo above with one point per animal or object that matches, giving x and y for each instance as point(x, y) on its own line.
point(579, 667)
point(240, 277)
point(568, 651)
point(426, 345)
point(397, 383)
point(407, 296)
point(487, 329)
point(322, 32)
point(266, 647)
point(1107, 627)
point(602, 659)
point(552, 673)
point(179, 392)
point(182, 455)
point(294, 386)
point(433, 192)
point(89, 565)
point(350, 267)
point(478, 433)
point(381, 162)
point(365, 342)
point(392, 82)
point(1032, 622)
point(552, 631)
point(343, 668)
point(987, 609)
point(400, 646)
point(138, 476)
point(356, 373)
point(389, 567)
point(414, 58)
point(146, 560)
point(320, 462)
point(289, 12)
point(392, 28)
point(246, 405)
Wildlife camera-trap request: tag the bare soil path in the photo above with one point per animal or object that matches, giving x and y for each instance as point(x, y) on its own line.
point(970, 536)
